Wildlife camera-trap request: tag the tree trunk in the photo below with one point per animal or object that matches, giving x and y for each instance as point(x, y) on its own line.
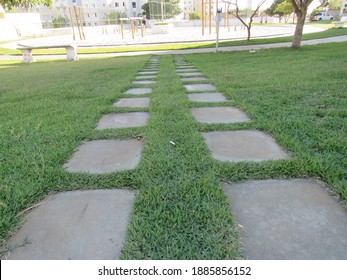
point(248, 32)
point(298, 31)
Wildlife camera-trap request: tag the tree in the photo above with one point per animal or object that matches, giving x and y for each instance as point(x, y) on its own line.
point(146, 12)
point(237, 14)
point(60, 22)
point(194, 15)
point(9, 4)
point(271, 11)
point(113, 17)
point(164, 9)
point(300, 8)
point(285, 8)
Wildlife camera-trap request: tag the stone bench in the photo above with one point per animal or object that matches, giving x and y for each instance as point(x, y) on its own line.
point(71, 51)
point(340, 23)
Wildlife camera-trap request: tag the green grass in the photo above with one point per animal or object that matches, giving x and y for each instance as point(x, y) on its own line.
point(331, 32)
point(48, 109)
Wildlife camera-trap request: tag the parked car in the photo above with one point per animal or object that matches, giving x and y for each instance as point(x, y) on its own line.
point(323, 16)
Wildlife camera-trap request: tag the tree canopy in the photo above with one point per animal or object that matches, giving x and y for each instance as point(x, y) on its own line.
point(9, 4)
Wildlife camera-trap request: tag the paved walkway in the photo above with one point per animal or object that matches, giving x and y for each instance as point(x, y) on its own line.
point(179, 37)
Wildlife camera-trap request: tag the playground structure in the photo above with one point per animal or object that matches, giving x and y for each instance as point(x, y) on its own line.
point(209, 11)
point(76, 19)
point(133, 25)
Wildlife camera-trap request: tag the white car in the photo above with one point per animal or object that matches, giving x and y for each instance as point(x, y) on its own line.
point(323, 16)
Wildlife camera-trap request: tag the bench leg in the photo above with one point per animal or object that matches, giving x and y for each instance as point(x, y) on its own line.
point(27, 56)
point(71, 53)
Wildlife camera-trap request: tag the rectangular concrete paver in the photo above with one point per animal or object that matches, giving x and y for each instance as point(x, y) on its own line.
point(77, 225)
point(243, 145)
point(193, 79)
point(219, 115)
point(133, 102)
point(200, 87)
point(207, 97)
point(123, 120)
point(105, 156)
point(288, 220)
point(138, 91)
point(144, 82)
point(189, 74)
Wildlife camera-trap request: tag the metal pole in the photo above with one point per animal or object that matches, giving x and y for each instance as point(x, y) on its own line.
point(217, 31)
point(202, 17)
point(210, 16)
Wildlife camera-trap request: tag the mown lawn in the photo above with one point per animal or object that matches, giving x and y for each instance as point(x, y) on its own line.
point(48, 109)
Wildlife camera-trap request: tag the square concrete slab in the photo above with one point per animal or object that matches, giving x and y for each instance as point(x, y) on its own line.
point(138, 91)
point(133, 102)
point(105, 156)
point(243, 145)
point(288, 220)
point(200, 87)
point(77, 225)
point(207, 97)
point(146, 82)
point(189, 74)
point(219, 115)
point(123, 120)
point(193, 79)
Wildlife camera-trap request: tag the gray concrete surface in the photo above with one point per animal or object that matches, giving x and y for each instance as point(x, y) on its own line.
point(138, 91)
point(144, 82)
point(288, 220)
point(207, 97)
point(193, 79)
point(149, 72)
point(243, 145)
point(200, 87)
point(123, 120)
point(143, 77)
point(105, 156)
point(76, 225)
point(133, 102)
point(189, 74)
point(219, 115)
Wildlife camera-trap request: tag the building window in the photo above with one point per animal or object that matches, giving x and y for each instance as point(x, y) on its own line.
point(134, 5)
point(123, 4)
point(95, 15)
point(88, 15)
point(116, 5)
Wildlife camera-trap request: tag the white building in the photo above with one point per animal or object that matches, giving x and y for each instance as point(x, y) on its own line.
point(93, 12)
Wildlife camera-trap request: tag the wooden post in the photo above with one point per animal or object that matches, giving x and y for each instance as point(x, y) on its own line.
point(132, 27)
point(79, 10)
point(141, 27)
point(72, 24)
point(121, 28)
point(77, 21)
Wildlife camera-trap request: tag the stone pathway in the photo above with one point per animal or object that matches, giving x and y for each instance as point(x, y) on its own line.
point(278, 219)
point(90, 224)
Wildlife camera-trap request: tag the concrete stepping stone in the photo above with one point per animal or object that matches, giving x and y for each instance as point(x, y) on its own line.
point(289, 220)
point(193, 79)
point(76, 225)
point(184, 70)
point(145, 82)
point(148, 72)
point(219, 115)
point(132, 102)
point(185, 67)
point(207, 97)
point(190, 74)
point(200, 87)
point(105, 156)
point(243, 145)
point(138, 91)
point(123, 120)
point(144, 77)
